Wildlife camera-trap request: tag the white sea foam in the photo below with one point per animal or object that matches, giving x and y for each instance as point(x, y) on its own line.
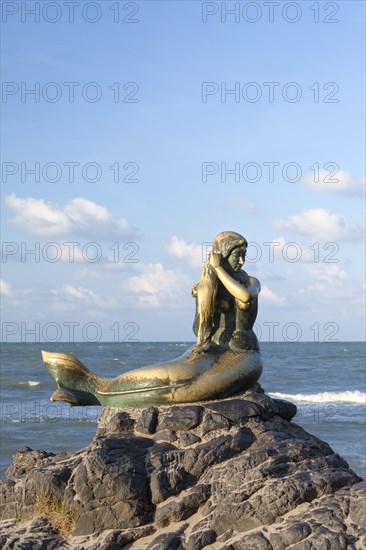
point(30, 383)
point(355, 397)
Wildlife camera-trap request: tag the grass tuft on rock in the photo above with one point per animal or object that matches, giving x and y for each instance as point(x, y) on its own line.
point(61, 516)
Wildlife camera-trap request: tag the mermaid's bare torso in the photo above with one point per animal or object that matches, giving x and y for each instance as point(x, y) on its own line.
point(234, 320)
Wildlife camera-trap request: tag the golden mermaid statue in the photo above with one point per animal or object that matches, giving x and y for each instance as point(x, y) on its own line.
point(225, 360)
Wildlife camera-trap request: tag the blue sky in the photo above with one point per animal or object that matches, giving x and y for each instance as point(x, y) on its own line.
point(174, 131)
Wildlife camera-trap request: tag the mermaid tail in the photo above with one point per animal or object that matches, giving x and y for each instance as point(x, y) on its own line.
point(75, 383)
point(78, 386)
point(194, 376)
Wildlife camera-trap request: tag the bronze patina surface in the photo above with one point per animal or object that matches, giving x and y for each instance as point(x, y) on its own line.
point(225, 360)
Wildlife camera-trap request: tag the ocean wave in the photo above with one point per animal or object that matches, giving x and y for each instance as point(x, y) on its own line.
point(356, 397)
point(29, 383)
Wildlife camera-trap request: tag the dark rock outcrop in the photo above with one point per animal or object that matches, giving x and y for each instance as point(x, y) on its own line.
point(230, 475)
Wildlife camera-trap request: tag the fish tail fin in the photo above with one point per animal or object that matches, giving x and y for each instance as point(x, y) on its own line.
point(75, 383)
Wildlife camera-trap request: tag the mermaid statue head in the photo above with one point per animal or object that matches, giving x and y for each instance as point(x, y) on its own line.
point(226, 241)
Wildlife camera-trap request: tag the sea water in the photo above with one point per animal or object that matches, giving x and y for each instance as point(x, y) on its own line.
point(325, 380)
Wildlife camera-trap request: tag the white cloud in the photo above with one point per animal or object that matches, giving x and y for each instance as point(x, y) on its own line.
point(265, 275)
point(80, 292)
point(320, 224)
point(71, 253)
point(340, 183)
point(158, 287)
point(62, 307)
point(268, 296)
point(247, 206)
point(326, 273)
point(79, 216)
point(192, 252)
point(84, 296)
point(87, 273)
point(5, 288)
point(329, 284)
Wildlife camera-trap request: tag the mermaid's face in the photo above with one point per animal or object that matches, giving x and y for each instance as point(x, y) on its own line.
point(237, 258)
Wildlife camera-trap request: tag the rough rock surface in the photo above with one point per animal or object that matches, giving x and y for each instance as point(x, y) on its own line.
point(225, 475)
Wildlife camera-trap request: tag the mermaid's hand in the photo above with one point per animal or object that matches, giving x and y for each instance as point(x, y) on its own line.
point(215, 259)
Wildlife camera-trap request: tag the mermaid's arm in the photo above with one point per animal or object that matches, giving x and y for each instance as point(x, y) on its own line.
point(243, 293)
